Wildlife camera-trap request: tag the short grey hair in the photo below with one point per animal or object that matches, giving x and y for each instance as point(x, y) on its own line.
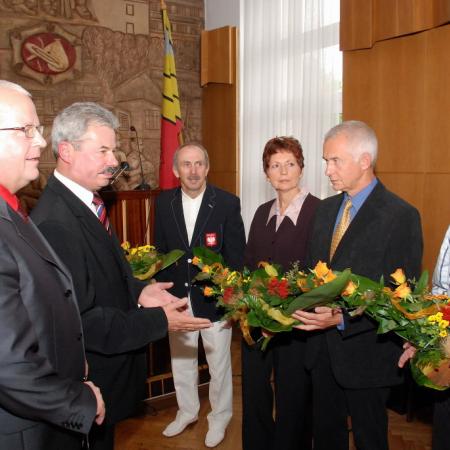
point(189, 144)
point(72, 122)
point(14, 87)
point(360, 136)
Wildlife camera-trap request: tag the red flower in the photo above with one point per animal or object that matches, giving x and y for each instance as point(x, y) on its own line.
point(446, 313)
point(280, 288)
point(283, 289)
point(227, 294)
point(272, 286)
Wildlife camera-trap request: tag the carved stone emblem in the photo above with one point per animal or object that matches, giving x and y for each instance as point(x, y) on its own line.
point(46, 53)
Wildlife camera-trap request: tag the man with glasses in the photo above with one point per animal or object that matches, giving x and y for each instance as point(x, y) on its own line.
point(71, 214)
point(45, 404)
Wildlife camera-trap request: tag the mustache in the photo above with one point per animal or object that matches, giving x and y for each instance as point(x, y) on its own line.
point(109, 169)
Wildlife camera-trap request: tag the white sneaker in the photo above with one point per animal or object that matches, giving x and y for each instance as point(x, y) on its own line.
point(178, 426)
point(214, 437)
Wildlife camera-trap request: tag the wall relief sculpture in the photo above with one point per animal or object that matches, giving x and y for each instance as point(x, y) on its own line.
point(46, 53)
point(65, 51)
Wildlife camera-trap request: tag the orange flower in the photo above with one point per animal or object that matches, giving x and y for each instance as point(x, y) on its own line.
point(330, 276)
point(196, 260)
point(206, 269)
point(349, 289)
point(208, 291)
point(302, 283)
point(399, 276)
point(321, 269)
point(402, 291)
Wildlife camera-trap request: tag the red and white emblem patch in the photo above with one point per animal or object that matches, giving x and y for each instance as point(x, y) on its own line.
point(211, 239)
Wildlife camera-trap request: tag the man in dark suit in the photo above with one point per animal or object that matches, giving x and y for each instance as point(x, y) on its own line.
point(374, 232)
point(44, 403)
point(68, 212)
point(199, 214)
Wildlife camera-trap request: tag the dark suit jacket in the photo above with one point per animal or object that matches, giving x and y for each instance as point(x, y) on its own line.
point(115, 329)
point(219, 215)
point(385, 234)
point(42, 358)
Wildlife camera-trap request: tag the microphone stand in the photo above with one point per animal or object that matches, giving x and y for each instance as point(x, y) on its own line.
point(143, 186)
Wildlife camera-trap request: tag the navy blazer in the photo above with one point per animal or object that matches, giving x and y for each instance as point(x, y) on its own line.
point(42, 359)
point(384, 235)
point(116, 330)
point(219, 218)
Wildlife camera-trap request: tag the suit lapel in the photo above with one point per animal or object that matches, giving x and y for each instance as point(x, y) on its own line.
point(206, 209)
point(177, 211)
point(364, 216)
point(30, 234)
point(92, 227)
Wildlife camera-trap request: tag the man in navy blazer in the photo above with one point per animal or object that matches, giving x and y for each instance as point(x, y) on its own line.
point(352, 367)
point(199, 214)
point(44, 402)
point(116, 329)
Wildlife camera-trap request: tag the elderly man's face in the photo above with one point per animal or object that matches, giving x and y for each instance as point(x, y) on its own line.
point(344, 171)
point(19, 155)
point(90, 157)
point(192, 170)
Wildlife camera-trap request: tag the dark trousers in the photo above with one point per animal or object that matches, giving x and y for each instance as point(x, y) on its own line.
point(102, 437)
point(332, 405)
point(441, 421)
point(287, 431)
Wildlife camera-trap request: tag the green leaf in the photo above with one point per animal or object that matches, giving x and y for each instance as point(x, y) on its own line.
point(386, 325)
point(208, 256)
point(422, 284)
point(169, 258)
point(321, 295)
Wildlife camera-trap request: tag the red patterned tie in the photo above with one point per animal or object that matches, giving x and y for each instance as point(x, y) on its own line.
point(101, 211)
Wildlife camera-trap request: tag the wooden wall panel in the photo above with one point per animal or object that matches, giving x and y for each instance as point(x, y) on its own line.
point(437, 117)
point(356, 24)
point(394, 18)
point(400, 88)
point(364, 22)
point(220, 112)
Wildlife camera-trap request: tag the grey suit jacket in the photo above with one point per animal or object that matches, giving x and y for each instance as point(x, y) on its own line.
point(42, 360)
point(385, 234)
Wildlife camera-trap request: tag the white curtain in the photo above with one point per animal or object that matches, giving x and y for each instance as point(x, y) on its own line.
point(291, 84)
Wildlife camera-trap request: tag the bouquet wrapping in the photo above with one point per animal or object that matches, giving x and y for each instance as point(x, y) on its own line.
point(146, 261)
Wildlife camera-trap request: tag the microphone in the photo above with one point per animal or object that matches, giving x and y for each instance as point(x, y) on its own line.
point(123, 167)
point(143, 186)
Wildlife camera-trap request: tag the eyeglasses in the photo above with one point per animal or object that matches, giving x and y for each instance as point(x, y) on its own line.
point(29, 130)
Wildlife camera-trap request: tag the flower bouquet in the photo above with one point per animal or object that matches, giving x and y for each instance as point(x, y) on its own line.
point(146, 261)
point(266, 298)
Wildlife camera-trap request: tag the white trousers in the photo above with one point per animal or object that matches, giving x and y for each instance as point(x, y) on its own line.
point(184, 356)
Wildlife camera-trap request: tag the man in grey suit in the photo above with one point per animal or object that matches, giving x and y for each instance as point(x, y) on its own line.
point(70, 216)
point(374, 232)
point(45, 404)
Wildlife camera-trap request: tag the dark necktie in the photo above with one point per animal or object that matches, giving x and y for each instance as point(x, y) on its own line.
point(101, 211)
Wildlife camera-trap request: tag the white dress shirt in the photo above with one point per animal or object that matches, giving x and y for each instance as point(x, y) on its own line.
point(191, 207)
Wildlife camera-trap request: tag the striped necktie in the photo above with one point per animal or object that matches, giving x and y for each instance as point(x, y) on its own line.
point(341, 227)
point(101, 211)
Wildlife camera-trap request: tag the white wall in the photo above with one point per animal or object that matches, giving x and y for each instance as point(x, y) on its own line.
point(219, 13)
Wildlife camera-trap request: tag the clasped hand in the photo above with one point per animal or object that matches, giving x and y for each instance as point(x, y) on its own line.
point(323, 317)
